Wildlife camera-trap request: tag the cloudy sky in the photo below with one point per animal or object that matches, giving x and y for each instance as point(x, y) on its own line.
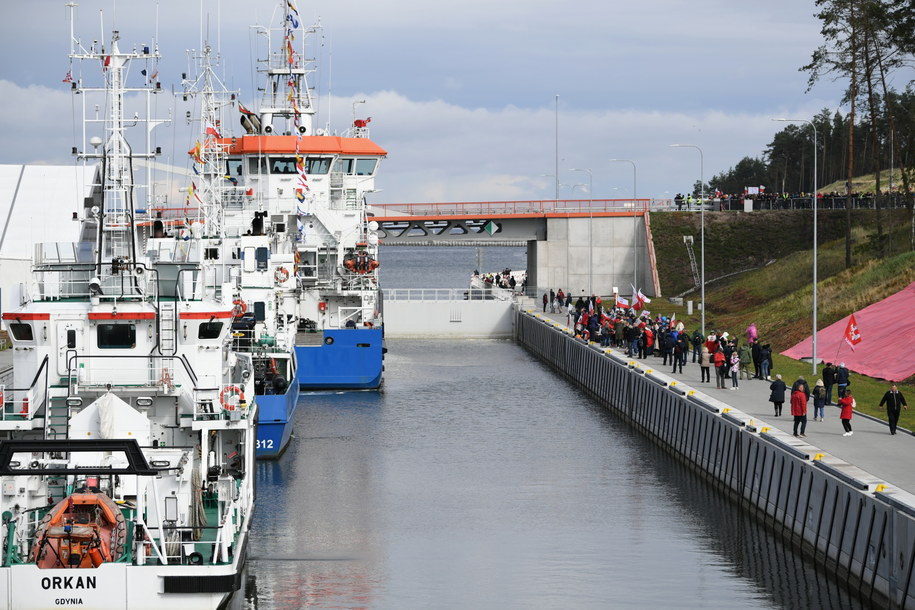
point(463, 95)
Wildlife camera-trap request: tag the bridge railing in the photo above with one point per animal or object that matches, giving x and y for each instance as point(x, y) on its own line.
point(447, 294)
point(538, 207)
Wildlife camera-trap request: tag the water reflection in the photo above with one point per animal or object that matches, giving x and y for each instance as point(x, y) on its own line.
point(478, 478)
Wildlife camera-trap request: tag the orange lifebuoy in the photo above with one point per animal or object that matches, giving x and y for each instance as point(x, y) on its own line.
point(281, 274)
point(238, 308)
point(230, 390)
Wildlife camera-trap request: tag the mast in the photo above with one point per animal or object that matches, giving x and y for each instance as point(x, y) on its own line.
point(209, 155)
point(287, 106)
point(117, 216)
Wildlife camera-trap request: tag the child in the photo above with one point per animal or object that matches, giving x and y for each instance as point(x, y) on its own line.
point(847, 403)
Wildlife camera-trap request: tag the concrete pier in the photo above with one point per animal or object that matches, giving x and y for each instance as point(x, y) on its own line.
point(848, 501)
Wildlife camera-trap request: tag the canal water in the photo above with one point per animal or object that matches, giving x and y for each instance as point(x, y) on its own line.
point(480, 479)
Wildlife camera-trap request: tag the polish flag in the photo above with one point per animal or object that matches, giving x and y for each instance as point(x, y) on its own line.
point(621, 302)
point(852, 334)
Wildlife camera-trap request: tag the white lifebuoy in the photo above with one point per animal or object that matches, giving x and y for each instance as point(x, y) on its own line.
point(281, 274)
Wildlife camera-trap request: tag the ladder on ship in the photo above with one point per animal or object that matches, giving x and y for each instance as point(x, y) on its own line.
point(688, 240)
point(168, 339)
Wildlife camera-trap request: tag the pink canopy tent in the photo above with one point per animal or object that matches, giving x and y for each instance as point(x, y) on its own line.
point(887, 337)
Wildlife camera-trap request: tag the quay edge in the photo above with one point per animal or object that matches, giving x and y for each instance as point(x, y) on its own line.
point(860, 528)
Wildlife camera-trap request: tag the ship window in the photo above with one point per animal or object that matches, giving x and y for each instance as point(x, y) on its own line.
point(317, 165)
point(282, 165)
point(21, 332)
point(257, 165)
point(343, 166)
point(71, 339)
point(117, 336)
point(209, 330)
point(365, 167)
point(260, 311)
point(233, 167)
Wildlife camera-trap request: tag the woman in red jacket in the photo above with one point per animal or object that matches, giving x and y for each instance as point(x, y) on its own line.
point(847, 403)
point(800, 394)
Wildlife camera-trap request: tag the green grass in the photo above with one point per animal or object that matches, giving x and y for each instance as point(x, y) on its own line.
point(775, 288)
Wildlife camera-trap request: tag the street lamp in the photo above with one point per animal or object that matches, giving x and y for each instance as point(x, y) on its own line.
point(701, 221)
point(590, 224)
point(813, 203)
point(635, 227)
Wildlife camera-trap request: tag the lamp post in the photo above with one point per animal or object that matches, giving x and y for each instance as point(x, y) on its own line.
point(701, 222)
point(635, 226)
point(813, 203)
point(590, 225)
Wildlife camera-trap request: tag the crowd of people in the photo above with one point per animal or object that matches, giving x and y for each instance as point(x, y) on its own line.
point(733, 359)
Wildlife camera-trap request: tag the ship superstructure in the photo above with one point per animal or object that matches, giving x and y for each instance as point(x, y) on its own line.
point(128, 429)
point(308, 191)
point(254, 262)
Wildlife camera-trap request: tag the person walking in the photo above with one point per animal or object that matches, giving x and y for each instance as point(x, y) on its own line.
point(819, 400)
point(893, 400)
point(705, 364)
point(847, 403)
point(547, 299)
point(777, 394)
point(800, 394)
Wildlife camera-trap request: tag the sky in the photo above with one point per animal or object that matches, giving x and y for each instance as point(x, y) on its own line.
point(466, 96)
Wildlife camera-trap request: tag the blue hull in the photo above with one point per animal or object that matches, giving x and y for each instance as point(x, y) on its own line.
point(349, 359)
point(274, 422)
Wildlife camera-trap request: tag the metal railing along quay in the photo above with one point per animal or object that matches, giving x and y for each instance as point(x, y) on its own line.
point(846, 500)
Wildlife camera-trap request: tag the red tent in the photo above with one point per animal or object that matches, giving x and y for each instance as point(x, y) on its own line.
point(887, 337)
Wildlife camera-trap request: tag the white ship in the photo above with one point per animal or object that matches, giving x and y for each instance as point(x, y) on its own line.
point(128, 431)
point(253, 257)
point(308, 189)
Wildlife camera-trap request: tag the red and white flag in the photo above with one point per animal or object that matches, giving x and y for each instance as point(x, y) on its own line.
point(852, 334)
point(621, 302)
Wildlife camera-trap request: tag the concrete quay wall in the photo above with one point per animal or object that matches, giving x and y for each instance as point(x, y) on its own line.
point(861, 528)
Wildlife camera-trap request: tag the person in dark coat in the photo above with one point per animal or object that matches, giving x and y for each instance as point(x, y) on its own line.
point(842, 379)
point(755, 350)
point(800, 396)
point(777, 394)
point(765, 361)
point(893, 400)
point(829, 380)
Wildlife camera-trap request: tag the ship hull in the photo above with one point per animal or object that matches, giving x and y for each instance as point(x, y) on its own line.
point(347, 359)
point(275, 421)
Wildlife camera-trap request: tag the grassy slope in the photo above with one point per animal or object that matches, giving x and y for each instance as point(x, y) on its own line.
point(775, 249)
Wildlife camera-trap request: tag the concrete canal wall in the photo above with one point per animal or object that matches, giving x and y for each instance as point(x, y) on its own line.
point(861, 528)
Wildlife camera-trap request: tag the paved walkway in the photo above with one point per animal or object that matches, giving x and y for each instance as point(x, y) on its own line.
point(871, 448)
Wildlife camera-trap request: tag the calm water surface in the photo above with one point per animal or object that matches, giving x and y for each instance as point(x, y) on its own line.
point(479, 479)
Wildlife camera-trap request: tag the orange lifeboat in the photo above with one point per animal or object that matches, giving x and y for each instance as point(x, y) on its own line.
point(84, 530)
